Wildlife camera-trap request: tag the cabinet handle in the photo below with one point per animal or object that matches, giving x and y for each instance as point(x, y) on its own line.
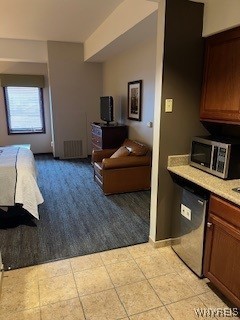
point(209, 224)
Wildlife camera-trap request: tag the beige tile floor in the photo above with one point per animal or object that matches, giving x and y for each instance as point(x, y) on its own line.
point(134, 283)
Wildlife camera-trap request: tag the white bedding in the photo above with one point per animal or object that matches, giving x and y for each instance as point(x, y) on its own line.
point(27, 191)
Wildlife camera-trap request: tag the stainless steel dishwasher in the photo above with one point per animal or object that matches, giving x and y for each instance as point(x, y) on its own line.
point(188, 228)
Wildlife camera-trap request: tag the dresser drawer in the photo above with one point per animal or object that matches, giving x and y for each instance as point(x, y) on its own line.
point(95, 147)
point(96, 131)
point(225, 210)
point(97, 140)
point(108, 136)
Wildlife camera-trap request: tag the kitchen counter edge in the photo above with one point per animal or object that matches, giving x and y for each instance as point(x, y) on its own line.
point(223, 188)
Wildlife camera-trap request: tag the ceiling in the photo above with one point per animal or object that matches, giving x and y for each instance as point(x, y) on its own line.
point(56, 20)
point(70, 21)
point(146, 29)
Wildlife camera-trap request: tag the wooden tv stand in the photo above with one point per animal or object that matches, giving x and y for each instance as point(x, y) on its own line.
point(108, 136)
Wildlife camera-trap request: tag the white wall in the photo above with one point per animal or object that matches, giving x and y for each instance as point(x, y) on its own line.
point(76, 87)
point(41, 142)
point(157, 120)
point(23, 50)
point(138, 63)
point(220, 15)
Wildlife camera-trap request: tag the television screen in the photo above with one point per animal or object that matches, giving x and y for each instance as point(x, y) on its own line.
point(106, 108)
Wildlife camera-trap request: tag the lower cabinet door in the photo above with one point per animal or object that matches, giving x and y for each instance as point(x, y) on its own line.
point(222, 257)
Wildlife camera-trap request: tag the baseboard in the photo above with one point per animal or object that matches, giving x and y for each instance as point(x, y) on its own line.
point(43, 153)
point(176, 241)
point(160, 243)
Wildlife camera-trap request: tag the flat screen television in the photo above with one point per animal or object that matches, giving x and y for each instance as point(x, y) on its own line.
point(106, 109)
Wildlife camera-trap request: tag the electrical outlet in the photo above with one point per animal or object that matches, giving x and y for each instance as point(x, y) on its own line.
point(186, 212)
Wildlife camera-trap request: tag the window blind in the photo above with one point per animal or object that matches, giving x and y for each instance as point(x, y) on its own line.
point(24, 110)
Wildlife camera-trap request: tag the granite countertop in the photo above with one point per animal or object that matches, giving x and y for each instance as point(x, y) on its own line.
point(223, 188)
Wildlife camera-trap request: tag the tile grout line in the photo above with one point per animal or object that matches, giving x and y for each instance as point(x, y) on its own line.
point(52, 277)
point(110, 264)
point(159, 275)
point(186, 299)
point(21, 310)
point(155, 308)
point(163, 306)
point(114, 287)
point(84, 315)
point(148, 281)
point(132, 259)
point(39, 297)
point(115, 290)
point(206, 304)
point(55, 276)
point(175, 271)
point(88, 269)
point(189, 284)
point(196, 295)
point(88, 294)
point(97, 253)
point(40, 311)
point(121, 302)
point(7, 312)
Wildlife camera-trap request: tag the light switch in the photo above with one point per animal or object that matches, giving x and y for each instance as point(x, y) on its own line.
point(168, 105)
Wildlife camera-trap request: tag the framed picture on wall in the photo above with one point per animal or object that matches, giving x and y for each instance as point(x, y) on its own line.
point(135, 100)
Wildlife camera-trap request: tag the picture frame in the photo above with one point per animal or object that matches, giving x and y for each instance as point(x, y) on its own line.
point(135, 100)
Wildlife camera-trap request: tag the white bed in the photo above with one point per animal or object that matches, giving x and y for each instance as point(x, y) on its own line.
point(26, 190)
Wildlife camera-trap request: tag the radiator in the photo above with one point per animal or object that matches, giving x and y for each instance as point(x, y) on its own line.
point(72, 149)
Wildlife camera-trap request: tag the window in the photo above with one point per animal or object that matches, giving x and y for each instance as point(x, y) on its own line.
point(24, 108)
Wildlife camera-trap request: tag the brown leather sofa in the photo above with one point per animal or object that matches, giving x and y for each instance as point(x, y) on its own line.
point(126, 169)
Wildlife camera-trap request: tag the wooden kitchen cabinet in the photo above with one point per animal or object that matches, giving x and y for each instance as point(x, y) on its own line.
point(222, 248)
point(221, 82)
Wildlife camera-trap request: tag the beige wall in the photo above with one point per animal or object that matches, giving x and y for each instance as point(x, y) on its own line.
point(137, 63)
point(75, 90)
point(23, 50)
point(220, 15)
point(40, 143)
point(182, 78)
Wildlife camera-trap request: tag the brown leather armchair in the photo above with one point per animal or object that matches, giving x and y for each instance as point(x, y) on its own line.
point(122, 173)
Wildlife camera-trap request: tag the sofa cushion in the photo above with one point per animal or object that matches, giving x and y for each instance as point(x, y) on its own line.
point(135, 148)
point(121, 152)
point(125, 162)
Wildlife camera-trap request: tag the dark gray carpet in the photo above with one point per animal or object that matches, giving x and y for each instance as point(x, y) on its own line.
point(75, 219)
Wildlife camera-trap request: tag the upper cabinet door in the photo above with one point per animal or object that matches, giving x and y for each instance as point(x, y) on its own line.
point(221, 82)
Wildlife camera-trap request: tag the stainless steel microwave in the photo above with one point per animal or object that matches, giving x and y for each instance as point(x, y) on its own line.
point(218, 156)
